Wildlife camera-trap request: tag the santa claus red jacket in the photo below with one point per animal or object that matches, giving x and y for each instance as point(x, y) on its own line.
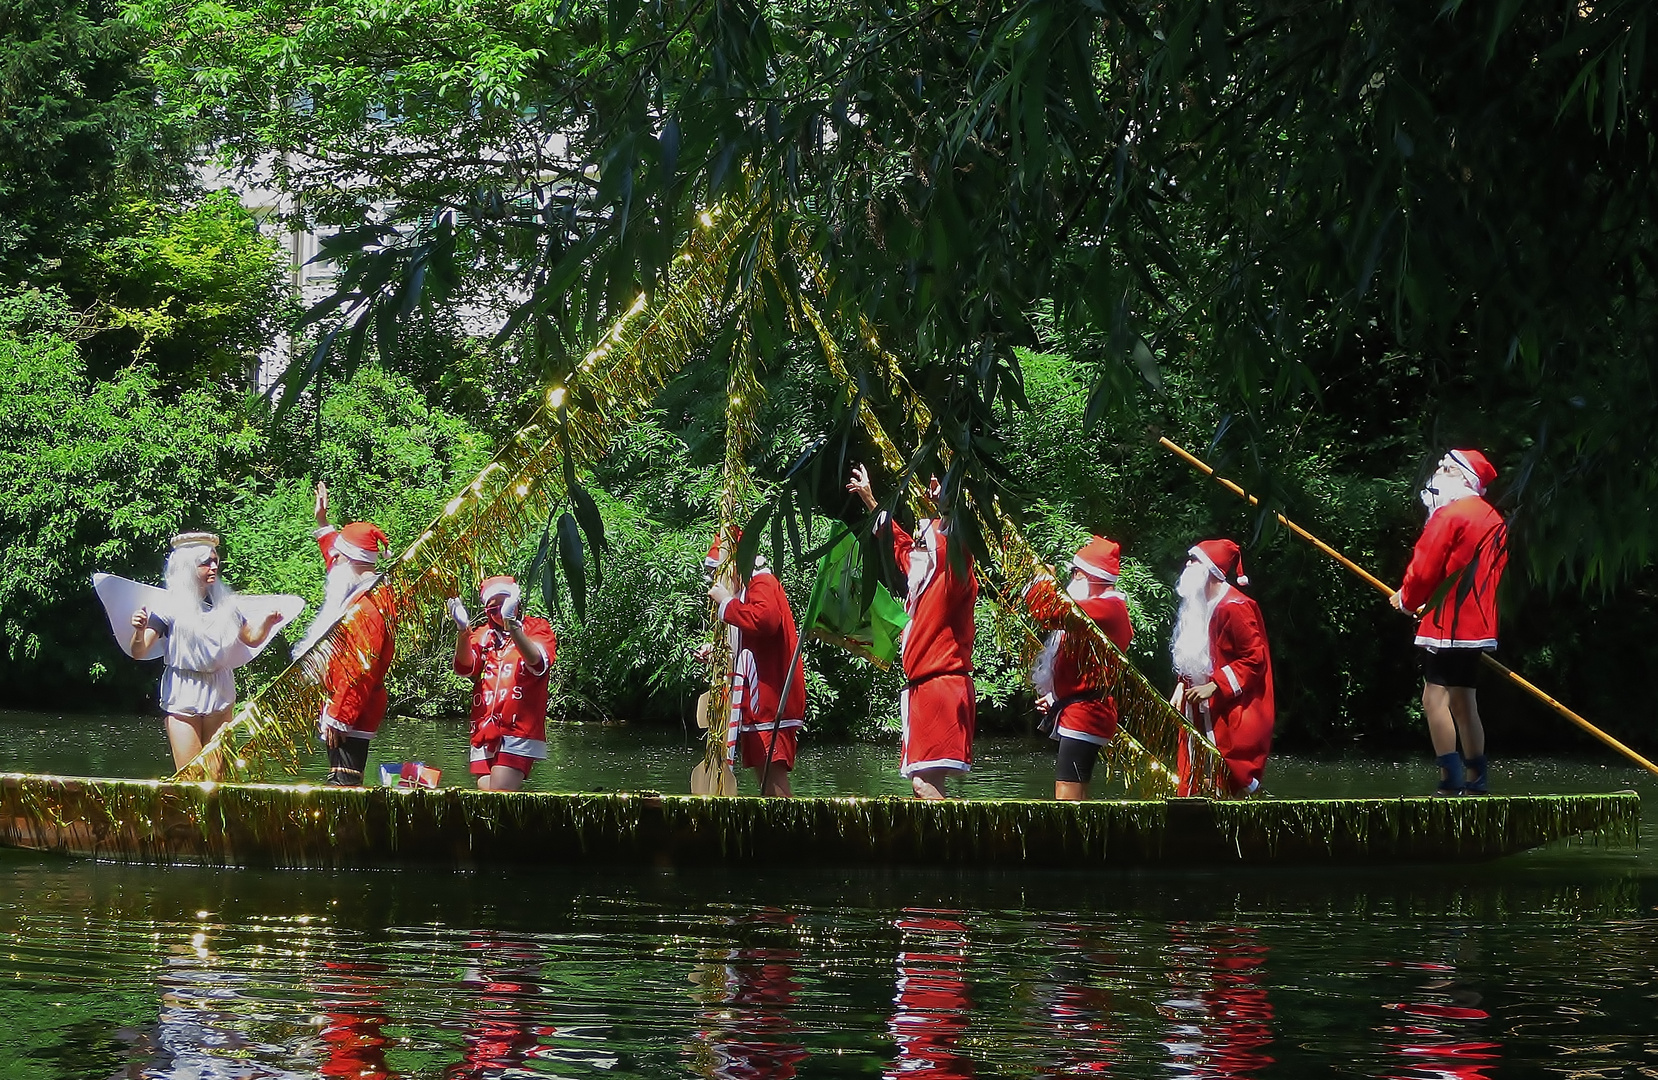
point(938, 639)
point(507, 690)
point(762, 613)
point(1093, 719)
point(1466, 535)
point(1242, 709)
point(361, 657)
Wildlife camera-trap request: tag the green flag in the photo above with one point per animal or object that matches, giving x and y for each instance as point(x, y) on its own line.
point(835, 614)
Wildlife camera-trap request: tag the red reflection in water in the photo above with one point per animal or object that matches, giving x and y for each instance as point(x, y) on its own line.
point(1436, 1045)
point(499, 1036)
point(352, 1042)
point(931, 1009)
point(1222, 1016)
point(1079, 1015)
point(748, 1032)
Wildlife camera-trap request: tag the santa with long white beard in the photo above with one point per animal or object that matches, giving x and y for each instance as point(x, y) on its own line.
point(1223, 665)
point(1465, 543)
point(357, 665)
point(938, 703)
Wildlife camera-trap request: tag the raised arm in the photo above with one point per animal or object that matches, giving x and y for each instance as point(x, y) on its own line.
point(254, 636)
point(144, 636)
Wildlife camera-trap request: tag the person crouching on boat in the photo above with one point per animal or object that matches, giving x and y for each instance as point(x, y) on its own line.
point(1077, 710)
point(1223, 665)
point(355, 678)
point(767, 642)
point(207, 637)
point(1465, 543)
point(509, 660)
point(938, 704)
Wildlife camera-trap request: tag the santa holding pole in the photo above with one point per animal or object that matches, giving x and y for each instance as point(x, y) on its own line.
point(769, 676)
point(356, 675)
point(1452, 582)
point(508, 660)
point(938, 703)
point(1077, 710)
point(1223, 665)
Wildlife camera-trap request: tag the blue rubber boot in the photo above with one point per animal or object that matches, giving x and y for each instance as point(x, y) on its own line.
point(1475, 784)
point(1451, 782)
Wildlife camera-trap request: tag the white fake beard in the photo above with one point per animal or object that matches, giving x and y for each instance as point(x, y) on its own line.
point(1042, 673)
point(921, 562)
point(1189, 647)
point(1077, 589)
point(342, 587)
point(1442, 491)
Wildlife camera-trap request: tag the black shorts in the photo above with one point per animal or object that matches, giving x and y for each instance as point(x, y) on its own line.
point(1075, 761)
point(1451, 667)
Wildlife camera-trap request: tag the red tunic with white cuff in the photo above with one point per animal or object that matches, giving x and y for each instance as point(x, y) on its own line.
point(1242, 708)
point(937, 650)
point(761, 613)
point(357, 668)
point(1466, 538)
point(1086, 710)
point(509, 696)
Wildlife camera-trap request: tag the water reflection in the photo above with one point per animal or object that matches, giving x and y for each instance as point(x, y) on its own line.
point(500, 1030)
point(1220, 1019)
point(1436, 1033)
point(1079, 1015)
point(204, 1031)
point(583, 975)
point(748, 1030)
point(349, 997)
point(931, 1009)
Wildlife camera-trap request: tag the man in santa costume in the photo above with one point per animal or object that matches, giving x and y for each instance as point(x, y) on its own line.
point(1223, 666)
point(508, 660)
point(357, 664)
point(767, 644)
point(938, 703)
point(1463, 548)
point(1078, 712)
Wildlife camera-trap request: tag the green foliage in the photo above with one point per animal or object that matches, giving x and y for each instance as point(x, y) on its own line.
point(197, 291)
point(1353, 201)
point(78, 129)
point(93, 476)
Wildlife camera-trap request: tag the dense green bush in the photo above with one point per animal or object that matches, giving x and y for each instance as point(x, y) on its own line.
point(94, 475)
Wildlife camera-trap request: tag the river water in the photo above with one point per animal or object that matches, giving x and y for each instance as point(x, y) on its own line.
point(1541, 964)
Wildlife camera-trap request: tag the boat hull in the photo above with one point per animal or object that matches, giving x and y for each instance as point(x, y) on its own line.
point(306, 826)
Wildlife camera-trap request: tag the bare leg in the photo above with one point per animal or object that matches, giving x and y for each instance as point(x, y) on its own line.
point(1070, 791)
point(504, 778)
point(1465, 710)
point(186, 735)
point(1442, 729)
point(776, 785)
point(929, 784)
point(483, 782)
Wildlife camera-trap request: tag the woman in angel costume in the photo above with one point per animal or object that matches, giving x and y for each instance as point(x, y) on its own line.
point(201, 630)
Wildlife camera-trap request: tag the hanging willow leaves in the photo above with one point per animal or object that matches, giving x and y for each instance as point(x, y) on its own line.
point(570, 560)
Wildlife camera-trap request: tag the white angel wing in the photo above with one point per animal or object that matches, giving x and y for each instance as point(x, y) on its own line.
point(122, 599)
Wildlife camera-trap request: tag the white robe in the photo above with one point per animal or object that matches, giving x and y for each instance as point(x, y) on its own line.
point(201, 650)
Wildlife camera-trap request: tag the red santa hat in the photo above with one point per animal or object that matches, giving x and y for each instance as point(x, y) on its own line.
point(1099, 558)
point(500, 585)
point(1480, 470)
point(1222, 557)
point(361, 541)
point(714, 550)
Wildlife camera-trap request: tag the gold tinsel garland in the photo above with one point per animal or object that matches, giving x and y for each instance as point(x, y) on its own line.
point(489, 518)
